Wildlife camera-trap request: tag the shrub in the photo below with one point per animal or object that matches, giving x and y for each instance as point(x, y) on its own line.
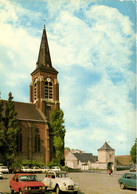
point(53, 162)
point(32, 163)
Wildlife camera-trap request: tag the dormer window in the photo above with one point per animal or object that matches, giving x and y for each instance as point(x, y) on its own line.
point(48, 89)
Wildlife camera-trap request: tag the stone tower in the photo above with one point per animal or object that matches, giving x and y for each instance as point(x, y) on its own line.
point(44, 88)
point(106, 154)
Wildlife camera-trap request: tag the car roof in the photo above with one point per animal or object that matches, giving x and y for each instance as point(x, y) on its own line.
point(20, 174)
point(57, 172)
point(130, 173)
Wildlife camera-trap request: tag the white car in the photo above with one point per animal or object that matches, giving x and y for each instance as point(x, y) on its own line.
point(44, 169)
point(25, 169)
point(55, 168)
point(35, 169)
point(4, 169)
point(60, 181)
point(1, 175)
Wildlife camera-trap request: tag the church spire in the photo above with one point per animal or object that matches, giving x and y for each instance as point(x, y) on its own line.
point(44, 60)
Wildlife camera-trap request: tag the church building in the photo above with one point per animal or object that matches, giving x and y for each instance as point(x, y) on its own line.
point(35, 140)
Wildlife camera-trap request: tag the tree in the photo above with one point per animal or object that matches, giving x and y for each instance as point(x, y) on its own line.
point(133, 152)
point(12, 129)
point(57, 122)
point(1, 124)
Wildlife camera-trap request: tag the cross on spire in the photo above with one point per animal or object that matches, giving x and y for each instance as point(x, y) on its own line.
point(44, 22)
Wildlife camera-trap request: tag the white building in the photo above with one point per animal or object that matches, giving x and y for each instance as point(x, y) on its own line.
point(81, 161)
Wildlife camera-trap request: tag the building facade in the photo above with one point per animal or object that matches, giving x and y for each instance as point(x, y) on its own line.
point(106, 158)
point(86, 161)
point(35, 140)
point(81, 161)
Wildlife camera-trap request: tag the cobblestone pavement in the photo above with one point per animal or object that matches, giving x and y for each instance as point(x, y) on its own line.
point(89, 183)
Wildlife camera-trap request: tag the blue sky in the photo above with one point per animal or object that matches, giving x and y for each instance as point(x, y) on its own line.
point(92, 45)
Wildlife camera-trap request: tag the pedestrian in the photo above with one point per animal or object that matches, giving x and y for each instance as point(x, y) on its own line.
point(111, 171)
point(108, 171)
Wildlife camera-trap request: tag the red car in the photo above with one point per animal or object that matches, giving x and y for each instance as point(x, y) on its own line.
point(26, 183)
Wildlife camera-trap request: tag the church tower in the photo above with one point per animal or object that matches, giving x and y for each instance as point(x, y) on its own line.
point(44, 88)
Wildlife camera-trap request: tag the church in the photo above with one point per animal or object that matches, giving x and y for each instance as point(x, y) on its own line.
point(35, 140)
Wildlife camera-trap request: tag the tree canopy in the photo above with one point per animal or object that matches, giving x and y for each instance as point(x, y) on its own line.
point(9, 128)
point(1, 124)
point(133, 152)
point(57, 122)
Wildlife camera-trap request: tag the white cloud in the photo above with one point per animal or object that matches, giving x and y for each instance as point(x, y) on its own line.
point(108, 43)
point(19, 50)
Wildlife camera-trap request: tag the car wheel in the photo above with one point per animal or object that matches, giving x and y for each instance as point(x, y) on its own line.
point(57, 190)
point(12, 191)
point(122, 186)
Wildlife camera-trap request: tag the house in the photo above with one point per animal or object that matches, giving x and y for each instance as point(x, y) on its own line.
point(81, 161)
point(77, 151)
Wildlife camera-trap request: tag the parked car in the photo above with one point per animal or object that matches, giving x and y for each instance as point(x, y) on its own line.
point(60, 181)
point(26, 183)
point(26, 169)
point(128, 180)
point(4, 169)
point(133, 169)
point(36, 169)
point(44, 168)
point(1, 175)
point(55, 168)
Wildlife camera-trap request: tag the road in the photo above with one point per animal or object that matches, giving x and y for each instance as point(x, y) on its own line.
point(89, 183)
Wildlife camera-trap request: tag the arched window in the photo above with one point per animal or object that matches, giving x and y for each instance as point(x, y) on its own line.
point(37, 140)
point(48, 89)
point(19, 142)
point(35, 91)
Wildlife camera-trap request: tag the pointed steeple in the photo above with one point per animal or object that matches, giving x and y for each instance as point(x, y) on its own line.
point(44, 60)
point(106, 147)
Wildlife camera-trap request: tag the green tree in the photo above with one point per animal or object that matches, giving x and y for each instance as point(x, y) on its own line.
point(133, 152)
point(12, 129)
point(1, 125)
point(57, 122)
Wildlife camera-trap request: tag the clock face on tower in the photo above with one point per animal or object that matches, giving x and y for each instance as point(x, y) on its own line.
point(48, 79)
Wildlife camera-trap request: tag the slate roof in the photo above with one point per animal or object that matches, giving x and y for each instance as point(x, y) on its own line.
point(84, 157)
point(105, 147)
point(26, 111)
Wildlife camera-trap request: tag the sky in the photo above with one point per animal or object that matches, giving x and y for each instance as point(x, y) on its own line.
point(92, 45)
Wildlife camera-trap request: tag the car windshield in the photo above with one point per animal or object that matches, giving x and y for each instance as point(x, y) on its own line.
point(61, 175)
point(25, 167)
point(28, 178)
point(3, 167)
